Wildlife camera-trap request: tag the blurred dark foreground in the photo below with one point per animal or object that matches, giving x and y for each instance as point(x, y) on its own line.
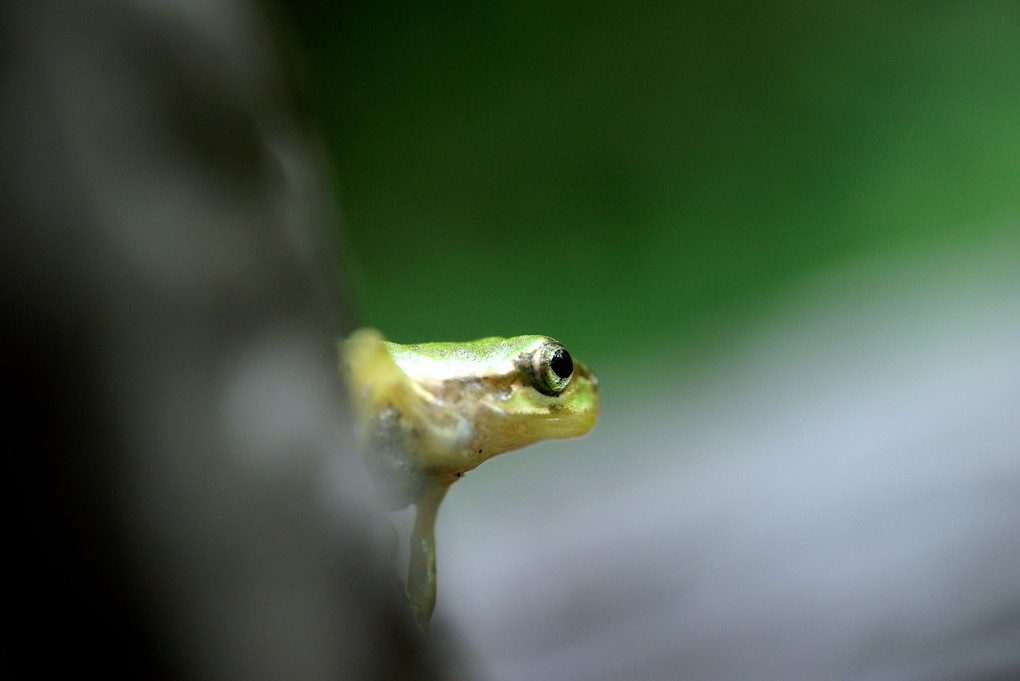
point(187, 502)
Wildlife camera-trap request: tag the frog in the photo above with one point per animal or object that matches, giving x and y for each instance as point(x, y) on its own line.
point(427, 413)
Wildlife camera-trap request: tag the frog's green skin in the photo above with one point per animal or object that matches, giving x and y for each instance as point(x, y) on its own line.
point(428, 413)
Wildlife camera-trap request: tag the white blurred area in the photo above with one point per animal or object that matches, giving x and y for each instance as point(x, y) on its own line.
point(838, 499)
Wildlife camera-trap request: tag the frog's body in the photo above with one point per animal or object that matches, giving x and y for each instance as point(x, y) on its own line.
point(430, 412)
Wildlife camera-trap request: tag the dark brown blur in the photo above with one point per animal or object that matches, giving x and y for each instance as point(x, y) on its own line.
point(187, 503)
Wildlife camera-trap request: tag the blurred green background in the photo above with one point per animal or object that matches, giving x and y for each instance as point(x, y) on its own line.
point(765, 226)
point(638, 180)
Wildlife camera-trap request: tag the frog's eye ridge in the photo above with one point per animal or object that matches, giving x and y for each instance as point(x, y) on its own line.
point(552, 368)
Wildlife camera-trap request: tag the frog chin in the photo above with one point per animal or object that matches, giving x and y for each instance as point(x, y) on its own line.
point(521, 430)
point(564, 426)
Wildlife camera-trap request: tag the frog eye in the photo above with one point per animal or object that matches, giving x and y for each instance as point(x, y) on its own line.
point(553, 368)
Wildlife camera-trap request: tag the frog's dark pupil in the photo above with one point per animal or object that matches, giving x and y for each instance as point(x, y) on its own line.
point(561, 364)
